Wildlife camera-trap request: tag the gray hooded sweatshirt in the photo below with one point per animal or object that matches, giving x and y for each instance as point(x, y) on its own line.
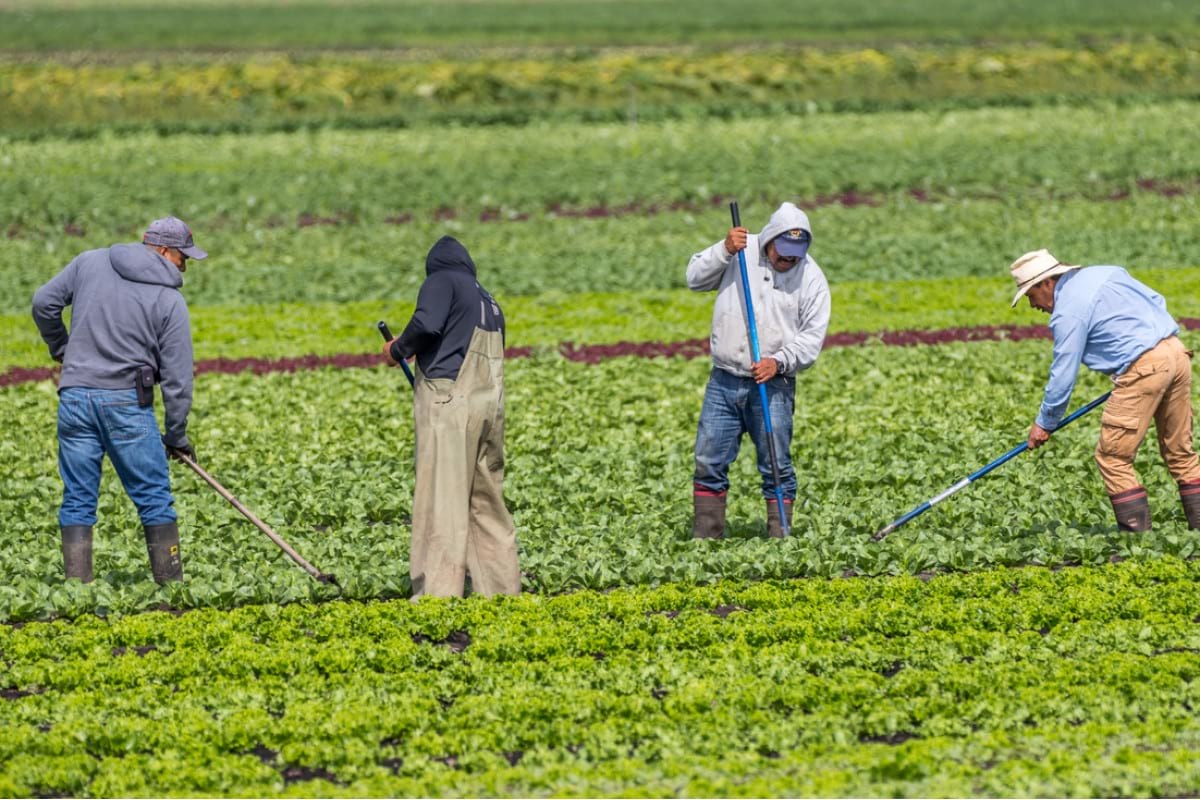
point(126, 311)
point(791, 308)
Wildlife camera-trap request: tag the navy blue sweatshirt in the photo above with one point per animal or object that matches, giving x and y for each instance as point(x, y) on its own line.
point(450, 306)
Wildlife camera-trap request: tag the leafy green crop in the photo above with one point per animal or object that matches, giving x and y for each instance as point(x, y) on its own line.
point(901, 237)
point(283, 91)
point(451, 25)
point(602, 497)
point(912, 666)
point(248, 183)
point(553, 320)
point(1006, 682)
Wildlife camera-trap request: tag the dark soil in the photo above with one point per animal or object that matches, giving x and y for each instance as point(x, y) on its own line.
point(457, 641)
point(264, 753)
point(140, 650)
point(296, 774)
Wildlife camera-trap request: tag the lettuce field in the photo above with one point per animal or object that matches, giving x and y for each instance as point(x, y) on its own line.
point(1009, 642)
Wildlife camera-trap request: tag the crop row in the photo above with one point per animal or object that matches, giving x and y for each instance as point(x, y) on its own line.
point(554, 320)
point(265, 91)
point(253, 181)
point(892, 237)
point(602, 496)
point(1007, 682)
point(452, 25)
point(594, 353)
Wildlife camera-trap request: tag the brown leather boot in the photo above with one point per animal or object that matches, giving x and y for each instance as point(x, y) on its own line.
point(1132, 509)
point(774, 529)
point(77, 552)
point(708, 521)
point(1189, 495)
point(162, 542)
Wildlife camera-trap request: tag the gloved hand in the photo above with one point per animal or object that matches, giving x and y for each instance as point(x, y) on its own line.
point(174, 451)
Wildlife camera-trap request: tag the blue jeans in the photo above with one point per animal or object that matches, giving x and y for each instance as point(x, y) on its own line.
point(95, 422)
point(732, 408)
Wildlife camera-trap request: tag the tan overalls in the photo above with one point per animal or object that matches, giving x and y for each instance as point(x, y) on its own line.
point(460, 523)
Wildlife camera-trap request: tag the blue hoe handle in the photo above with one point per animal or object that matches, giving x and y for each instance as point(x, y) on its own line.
point(386, 333)
point(752, 328)
point(979, 473)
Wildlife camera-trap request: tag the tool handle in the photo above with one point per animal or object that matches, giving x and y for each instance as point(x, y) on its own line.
point(254, 520)
point(974, 476)
point(751, 324)
point(386, 333)
point(755, 354)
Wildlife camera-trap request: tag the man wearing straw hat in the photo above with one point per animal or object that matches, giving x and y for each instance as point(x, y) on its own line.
point(1116, 325)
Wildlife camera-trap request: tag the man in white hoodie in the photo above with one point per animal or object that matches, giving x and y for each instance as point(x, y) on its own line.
point(791, 308)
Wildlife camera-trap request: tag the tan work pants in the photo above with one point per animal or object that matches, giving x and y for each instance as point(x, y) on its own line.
point(460, 522)
point(1158, 387)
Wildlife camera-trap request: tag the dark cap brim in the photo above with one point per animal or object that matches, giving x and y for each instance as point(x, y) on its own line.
point(194, 253)
point(789, 248)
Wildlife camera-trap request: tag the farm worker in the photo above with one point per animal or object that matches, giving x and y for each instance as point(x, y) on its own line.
point(459, 522)
point(1116, 325)
point(129, 330)
point(791, 308)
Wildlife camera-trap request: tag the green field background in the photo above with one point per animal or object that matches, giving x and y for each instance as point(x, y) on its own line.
point(1010, 642)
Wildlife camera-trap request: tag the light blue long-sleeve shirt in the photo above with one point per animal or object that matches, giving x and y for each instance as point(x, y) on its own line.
point(1105, 319)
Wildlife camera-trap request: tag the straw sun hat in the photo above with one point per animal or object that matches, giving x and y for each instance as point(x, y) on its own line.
point(1034, 267)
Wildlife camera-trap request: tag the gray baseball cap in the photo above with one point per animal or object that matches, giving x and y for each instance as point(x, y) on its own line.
point(172, 232)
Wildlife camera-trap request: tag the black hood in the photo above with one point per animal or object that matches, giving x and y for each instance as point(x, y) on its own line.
point(448, 254)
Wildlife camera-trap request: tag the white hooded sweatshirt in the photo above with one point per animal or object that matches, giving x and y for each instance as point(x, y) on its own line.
point(791, 308)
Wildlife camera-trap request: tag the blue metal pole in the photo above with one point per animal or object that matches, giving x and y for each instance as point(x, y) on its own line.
point(762, 389)
point(974, 476)
point(387, 337)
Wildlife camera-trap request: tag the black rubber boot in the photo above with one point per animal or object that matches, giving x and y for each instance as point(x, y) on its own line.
point(1132, 509)
point(709, 519)
point(162, 542)
point(774, 529)
point(77, 552)
point(1189, 495)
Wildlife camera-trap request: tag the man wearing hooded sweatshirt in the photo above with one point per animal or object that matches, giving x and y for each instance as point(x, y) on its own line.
point(460, 523)
point(129, 330)
point(791, 308)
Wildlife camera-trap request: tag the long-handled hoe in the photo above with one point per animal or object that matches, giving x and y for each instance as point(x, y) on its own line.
point(258, 523)
point(974, 476)
point(752, 331)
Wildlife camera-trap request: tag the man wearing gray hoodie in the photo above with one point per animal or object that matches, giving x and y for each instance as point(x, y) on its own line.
point(791, 308)
point(129, 330)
